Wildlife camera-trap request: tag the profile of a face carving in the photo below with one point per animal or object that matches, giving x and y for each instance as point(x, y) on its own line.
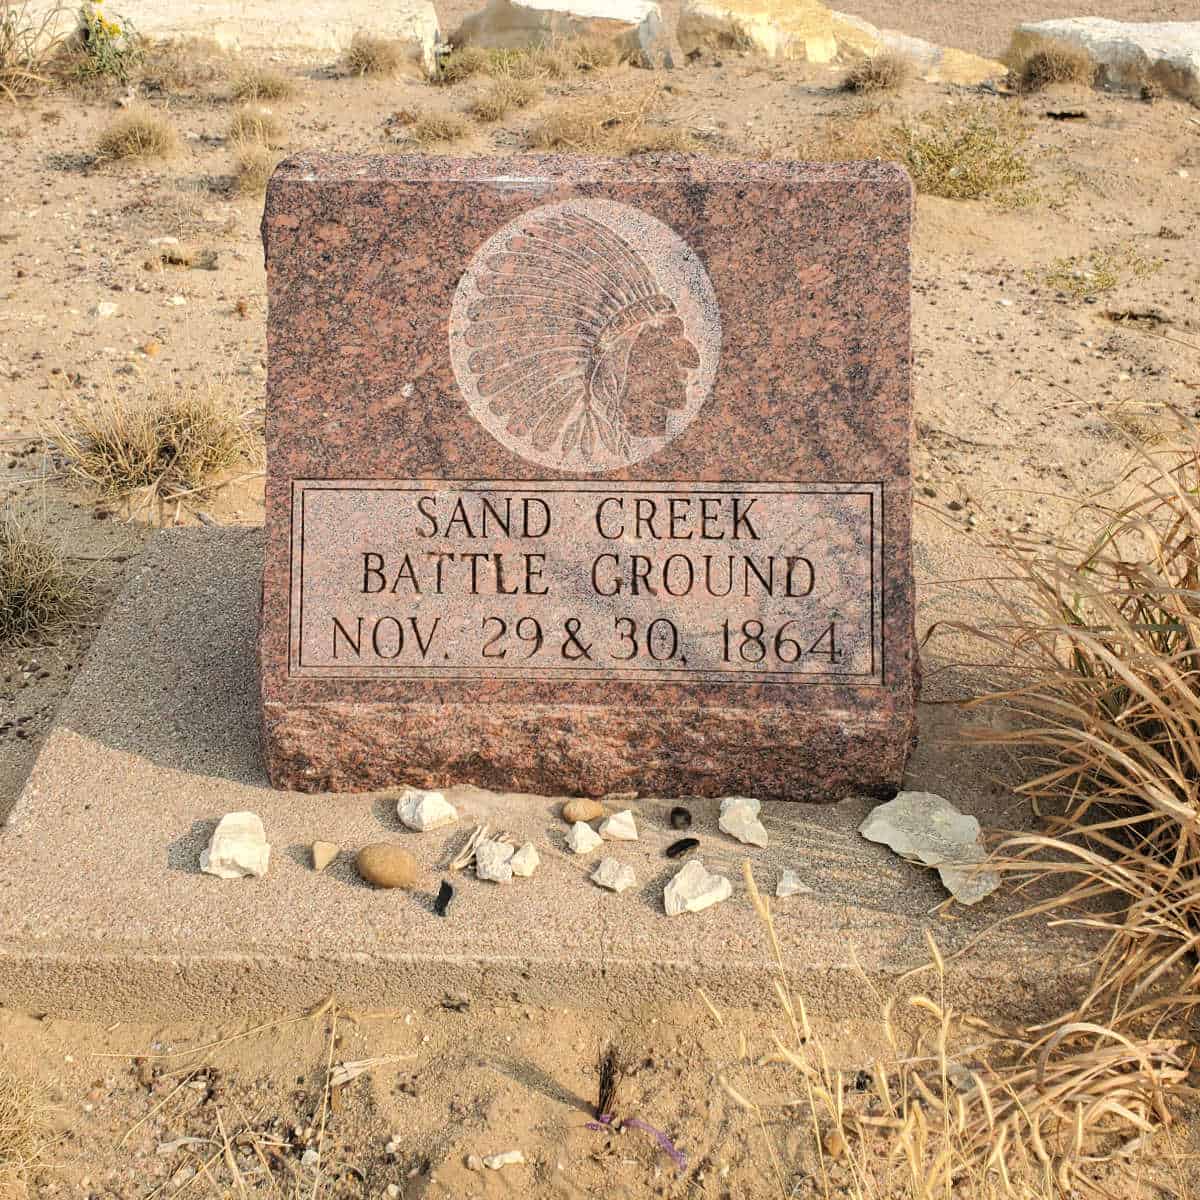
point(572, 345)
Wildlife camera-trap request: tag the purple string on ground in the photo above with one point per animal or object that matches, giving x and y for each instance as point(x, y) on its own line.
point(605, 1121)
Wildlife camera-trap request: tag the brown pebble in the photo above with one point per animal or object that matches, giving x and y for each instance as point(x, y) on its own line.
point(386, 866)
point(581, 810)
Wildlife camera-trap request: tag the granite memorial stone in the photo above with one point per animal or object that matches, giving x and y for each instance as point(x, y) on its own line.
point(588, 476)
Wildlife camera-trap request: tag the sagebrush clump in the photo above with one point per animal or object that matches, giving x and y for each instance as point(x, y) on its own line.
point(259, 126)
point(39, 592)
point(886, 72)
point(262, 83)
point(375, 56)
point(505, 94)
point(139, 133)
point(1040, 64)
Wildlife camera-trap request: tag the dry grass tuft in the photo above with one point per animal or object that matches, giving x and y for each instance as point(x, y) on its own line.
point(610, 125)
point(434, 128)
point(25, 1132)
point(466, 64)
point(262, 83)
point(39, 592)
point(26, 49)
point(503, 96)
point(256, 126)
point(183, 65)
point(175, 446)
point(375, 56)
point(254, 164)
point(139, 133)
point(1043, 63)
point(559, 58)
point(886, 72)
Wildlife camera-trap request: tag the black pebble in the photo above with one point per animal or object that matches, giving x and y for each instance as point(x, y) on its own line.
point(444, 896)
point(680, 848)
point(681, 818)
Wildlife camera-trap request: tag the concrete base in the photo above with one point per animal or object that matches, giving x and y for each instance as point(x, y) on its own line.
point(104, 913)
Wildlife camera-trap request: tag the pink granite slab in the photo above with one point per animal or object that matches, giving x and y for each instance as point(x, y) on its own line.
point(588, 476)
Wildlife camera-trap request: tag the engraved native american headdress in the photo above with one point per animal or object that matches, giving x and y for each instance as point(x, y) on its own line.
point(560, 307)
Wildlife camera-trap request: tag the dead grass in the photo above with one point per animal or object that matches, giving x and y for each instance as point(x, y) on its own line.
point(254, 164)
point(26, 49)
point(611, 125)
point(25, 1132)
point(263, 83)
point(256, 126)
point(375, 56)
point(175, 446)
point(1040, 64)
point(139, 132)
point(39, 592)
point(440, 128)
point(183, 65)
point(886, 72)
point(503, 96)
point(557, 59)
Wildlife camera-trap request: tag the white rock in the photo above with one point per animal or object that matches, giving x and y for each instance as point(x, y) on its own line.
point(525, 861)
point(582, 838)
point(422, 810)
point(739, 819)
point(619, 827)
point(614, 875)
point(493, 860)
point(106, 308)
point(1128, 53)
point(635, 27)
point(694, 889)
point(930, 830)
point(790, 884)
point(780, 29)
point(509, 1158)
point(326, 26)
point(310, 1158)
point(238, 847)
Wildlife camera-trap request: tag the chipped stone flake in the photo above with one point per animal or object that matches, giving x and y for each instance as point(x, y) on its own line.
point(790, 884)
point(614, 875)
point(582, 839)
point(695, 889)
point(620, 827)
point(238, 847)
point(493, 861)
point(739, 819)
point(424, 810)
point(525, 861)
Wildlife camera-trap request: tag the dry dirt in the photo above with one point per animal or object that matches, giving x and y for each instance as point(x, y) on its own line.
point(1027, 401)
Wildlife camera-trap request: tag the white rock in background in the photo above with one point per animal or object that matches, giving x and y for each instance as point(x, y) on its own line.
point(525, 861)
point(106, 308)
point(929, 829)
point(1130, 54)
point(582, 838)
point(739, 819)
point(509, 1158)
point(790, 884)
point(694, 889)
point(614, 875)
point(493, 861)
point(238, 847)
point(635, 27)
point(423, 810)
point(619, 827)
point(803, 30)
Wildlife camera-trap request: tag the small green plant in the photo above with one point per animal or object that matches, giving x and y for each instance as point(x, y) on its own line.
point(111, 46)
point(1084, 277)
point(39, 592)
point(886, 72)
point(139, 133)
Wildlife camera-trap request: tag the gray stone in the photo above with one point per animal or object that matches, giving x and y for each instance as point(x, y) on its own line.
point(695, 889)
point(493, 861)
point(614, 875)
point(424, 810)
point(739, 819)
point(928, 829)
point(238, 847)
point(620, 827)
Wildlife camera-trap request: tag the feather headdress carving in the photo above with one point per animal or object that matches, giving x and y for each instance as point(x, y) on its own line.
point(560, 305)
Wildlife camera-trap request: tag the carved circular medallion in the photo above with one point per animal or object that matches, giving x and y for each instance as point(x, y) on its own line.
point(585, 335)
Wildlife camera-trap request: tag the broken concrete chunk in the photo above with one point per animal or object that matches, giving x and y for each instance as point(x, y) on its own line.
point(323, 853)
point(619, 827)
point(928, 829)
point(423, 811)
point(238, 847)
point(790, 885)
point(493, 860)
point(525, 861)
point(695, 889)
point(614, 875)
point(739, 819)
point(583, 838)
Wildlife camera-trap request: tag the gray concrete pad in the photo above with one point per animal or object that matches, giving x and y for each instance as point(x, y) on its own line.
point(105, 914)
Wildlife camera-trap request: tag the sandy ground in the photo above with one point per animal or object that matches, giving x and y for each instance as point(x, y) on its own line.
point(1026, 402)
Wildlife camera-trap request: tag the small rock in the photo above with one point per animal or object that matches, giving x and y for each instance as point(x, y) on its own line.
point(444, 896)
point(790, 885)
point(423, 811)
point(323, 853)
point(695, 889)
point(509, 1158)
point(456, 1001)
point(620, 827)
point(835, 1143)
point(474, 1162)
point(582, 810)
point(238, 847)
point(680, 848)
point(309, 1158)
point(176, 300)
point(525, 861)
point(739, 819)
point(386, 866)
point(929, 829)
point(106, 308)
point(614, 875)
point(583, 838)
point(681, 818)
point(493, 860)
point(393, 1191)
